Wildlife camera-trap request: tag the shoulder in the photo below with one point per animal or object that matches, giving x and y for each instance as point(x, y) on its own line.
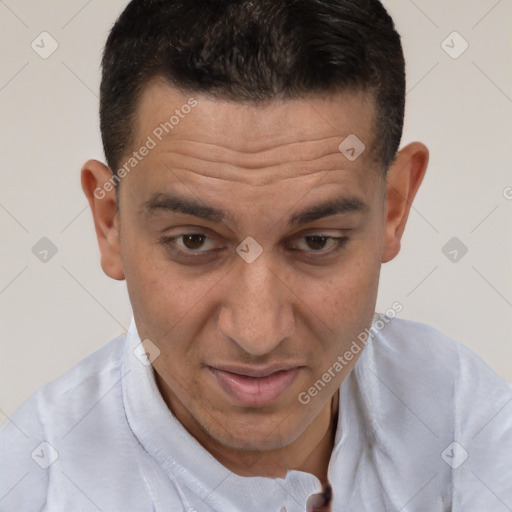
point(414, 338)
point(84, 382)
point(30, 438)
point(417, 349)
point(444, 406)
point(418, 359)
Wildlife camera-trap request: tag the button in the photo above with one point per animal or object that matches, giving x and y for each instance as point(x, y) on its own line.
point(316, 502)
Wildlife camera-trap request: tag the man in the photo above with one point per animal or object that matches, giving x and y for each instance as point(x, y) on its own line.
point(252, 192)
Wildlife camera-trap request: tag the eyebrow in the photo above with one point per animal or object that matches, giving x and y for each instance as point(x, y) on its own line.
point(328, 208)
point(179, 204)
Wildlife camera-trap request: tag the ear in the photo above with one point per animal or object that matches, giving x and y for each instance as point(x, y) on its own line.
point(403, 181)
point(100, 192)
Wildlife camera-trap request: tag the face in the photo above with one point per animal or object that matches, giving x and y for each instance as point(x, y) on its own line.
point(251, 243)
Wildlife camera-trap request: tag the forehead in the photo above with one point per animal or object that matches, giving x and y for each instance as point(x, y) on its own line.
point(258, 133)
point(248, 161)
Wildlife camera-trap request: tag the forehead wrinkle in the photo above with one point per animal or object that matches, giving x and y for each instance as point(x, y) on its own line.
point(170, 138)
point(262, 177)
point(213, 116)
point(249, 164)
point(290, 152)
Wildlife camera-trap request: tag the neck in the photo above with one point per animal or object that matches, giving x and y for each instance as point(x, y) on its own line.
point(319, 454)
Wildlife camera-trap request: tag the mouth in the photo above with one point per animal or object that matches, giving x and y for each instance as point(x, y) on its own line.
point(255, 388)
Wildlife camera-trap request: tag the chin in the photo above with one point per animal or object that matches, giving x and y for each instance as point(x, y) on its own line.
point(253, 435)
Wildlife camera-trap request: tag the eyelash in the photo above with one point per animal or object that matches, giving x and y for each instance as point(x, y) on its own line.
point(169, 242)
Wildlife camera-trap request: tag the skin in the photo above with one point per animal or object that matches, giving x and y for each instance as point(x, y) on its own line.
point(298, 302)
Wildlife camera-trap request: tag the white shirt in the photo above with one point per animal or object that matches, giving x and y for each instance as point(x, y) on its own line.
point(111, 444)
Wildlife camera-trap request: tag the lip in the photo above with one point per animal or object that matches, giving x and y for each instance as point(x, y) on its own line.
point(255, 388)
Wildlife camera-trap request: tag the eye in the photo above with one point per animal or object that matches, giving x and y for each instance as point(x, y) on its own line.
point(193, 241)
point(319, 243)
point(190, 242)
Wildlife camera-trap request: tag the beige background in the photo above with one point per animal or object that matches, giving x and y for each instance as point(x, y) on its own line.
point(54, 313)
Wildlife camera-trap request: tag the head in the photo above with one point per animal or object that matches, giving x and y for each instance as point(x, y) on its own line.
point(252, 190)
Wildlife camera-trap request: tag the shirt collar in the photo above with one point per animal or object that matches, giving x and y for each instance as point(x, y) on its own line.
point(184, 459)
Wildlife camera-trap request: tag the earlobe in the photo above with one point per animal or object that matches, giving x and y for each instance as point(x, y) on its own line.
point(97, 185)
point(403, 181)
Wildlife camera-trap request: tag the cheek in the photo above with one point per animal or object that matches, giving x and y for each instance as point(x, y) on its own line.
point(162, 294)
point(351, 287)
point(343, 306)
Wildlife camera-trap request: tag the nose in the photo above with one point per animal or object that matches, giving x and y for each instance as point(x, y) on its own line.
point(257, 309)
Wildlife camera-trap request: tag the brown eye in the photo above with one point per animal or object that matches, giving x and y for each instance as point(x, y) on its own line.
point(319, 244)
point(193, 241)
point(316, 242)
point(196, 244)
